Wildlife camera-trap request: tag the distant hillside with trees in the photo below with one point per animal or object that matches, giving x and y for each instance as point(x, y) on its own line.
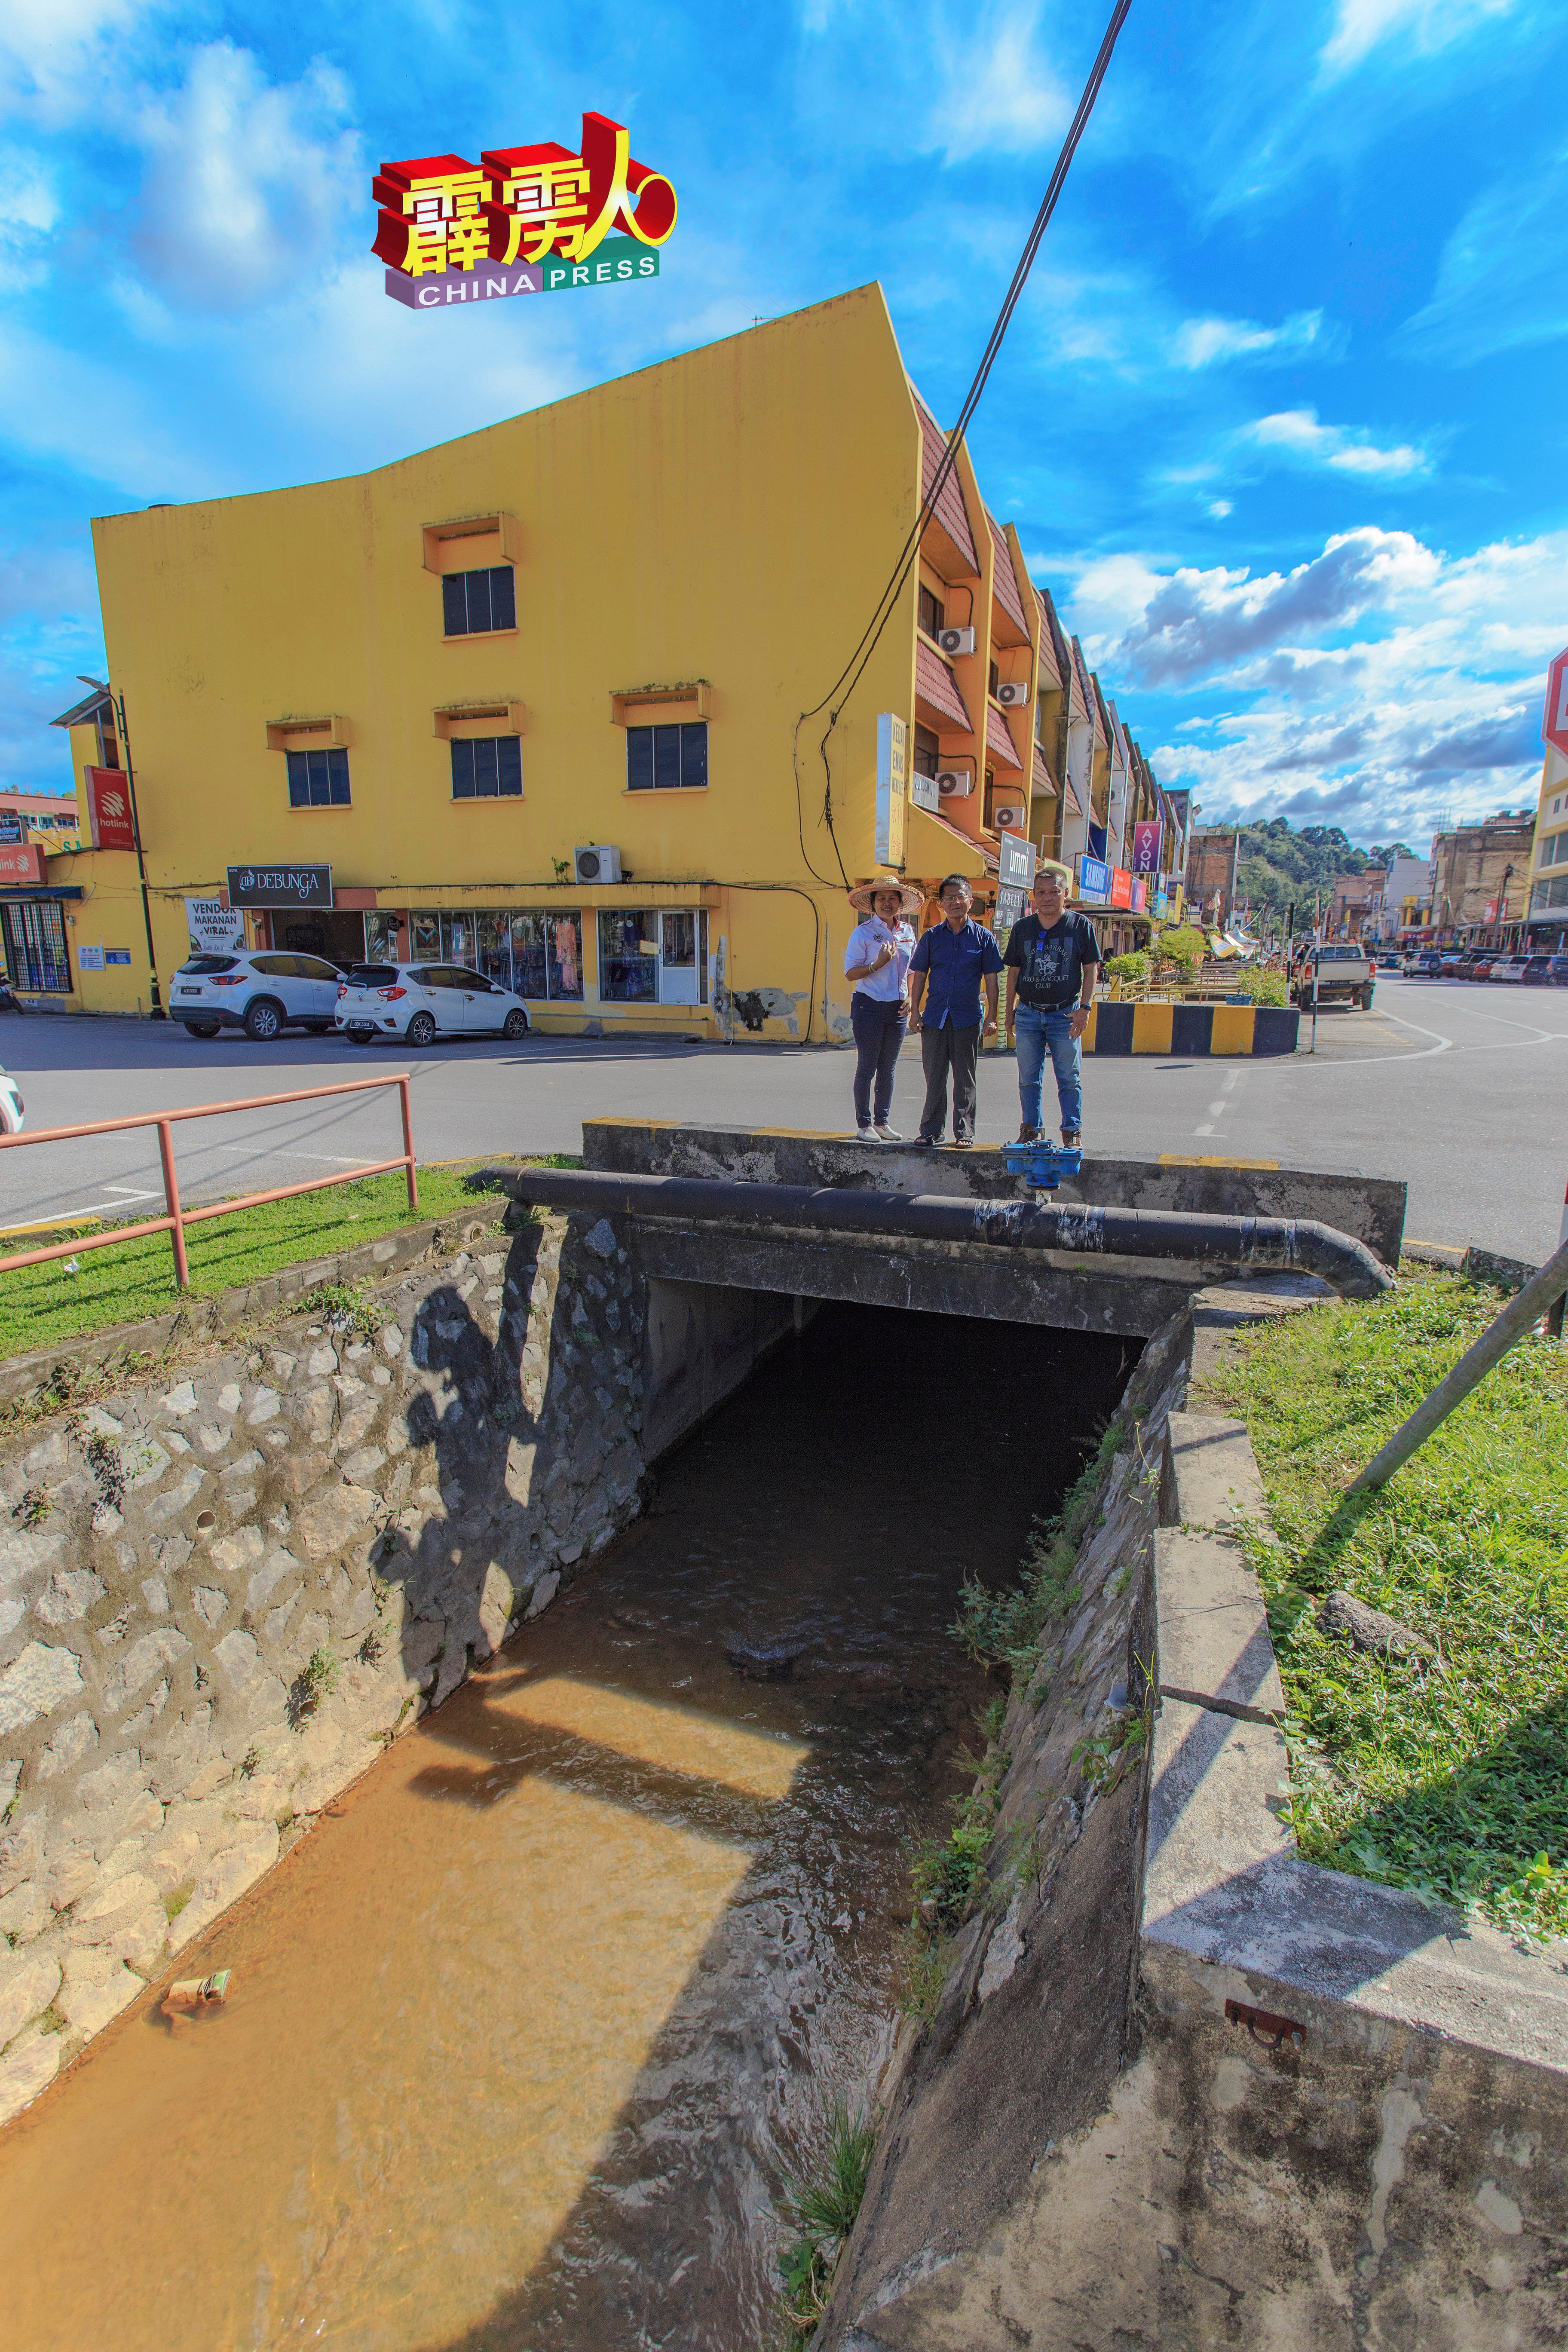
point(1276, 864)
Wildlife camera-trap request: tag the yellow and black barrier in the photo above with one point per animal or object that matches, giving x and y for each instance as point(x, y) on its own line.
point(1195, 1029)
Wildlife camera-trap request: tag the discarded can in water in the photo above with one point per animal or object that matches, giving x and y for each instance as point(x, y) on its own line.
point(197, 1992)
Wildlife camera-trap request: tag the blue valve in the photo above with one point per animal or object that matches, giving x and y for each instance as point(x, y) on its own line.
point(1042, 1165)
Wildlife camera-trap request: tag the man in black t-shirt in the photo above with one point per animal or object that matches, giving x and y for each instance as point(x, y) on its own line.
point(1053, 960)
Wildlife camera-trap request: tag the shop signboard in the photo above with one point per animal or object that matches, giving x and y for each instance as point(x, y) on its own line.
point(1146, 847)
point(1554, 720)
point(213, 928)
point(21, 863)
point(926, 792)
point(108, 797)
point(1121, 886)
point(1158, 900)
point(280, 886)
point(522, 220)
point(892, 778)
point(1139, 894)
point(1093, 881)
point(1014, 879)
point(89, 959)
point(11, 825)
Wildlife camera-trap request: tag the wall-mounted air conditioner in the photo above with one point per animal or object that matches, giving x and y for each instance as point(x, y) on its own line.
point(1009, 816)
point(597, 863)
point(954, 784)
point(1013, 693)
point(956, 641)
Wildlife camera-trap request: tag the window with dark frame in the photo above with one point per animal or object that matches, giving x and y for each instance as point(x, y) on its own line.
point(932, 611)
point(487, 767)
point(317, 779)
point(928, 751)
point(667, 759)
point(474, 603)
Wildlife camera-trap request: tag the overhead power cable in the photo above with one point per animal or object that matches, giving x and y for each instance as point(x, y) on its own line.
point(854, 669)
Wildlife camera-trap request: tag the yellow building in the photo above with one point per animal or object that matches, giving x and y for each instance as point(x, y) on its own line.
point(617, 625)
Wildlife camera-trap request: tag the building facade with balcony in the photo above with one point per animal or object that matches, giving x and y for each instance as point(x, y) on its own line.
point(1546, 917)
point(620, 625)
point(1479, 880)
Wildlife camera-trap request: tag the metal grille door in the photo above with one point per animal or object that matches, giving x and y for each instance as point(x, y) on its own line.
point(36, 953)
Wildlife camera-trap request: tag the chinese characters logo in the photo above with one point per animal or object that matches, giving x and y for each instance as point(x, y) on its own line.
point(522, 219)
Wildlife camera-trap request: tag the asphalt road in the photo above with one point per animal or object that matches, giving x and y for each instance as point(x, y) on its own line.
point(1461, 1088)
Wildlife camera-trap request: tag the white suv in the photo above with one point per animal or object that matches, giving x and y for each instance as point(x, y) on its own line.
point(412, 1000)
point(261, 993)
point(13, 1113)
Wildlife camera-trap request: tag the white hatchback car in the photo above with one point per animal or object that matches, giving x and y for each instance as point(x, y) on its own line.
point(414, 1000)
point(13, 1117)
point(260, 992)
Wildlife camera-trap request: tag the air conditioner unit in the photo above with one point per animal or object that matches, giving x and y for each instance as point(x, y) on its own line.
point(1009, 816)
point(1013, 693)
point(956, 641)
point(597, 863)
point(954, 784)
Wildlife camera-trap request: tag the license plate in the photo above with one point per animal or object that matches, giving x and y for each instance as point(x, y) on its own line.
point(190, 991)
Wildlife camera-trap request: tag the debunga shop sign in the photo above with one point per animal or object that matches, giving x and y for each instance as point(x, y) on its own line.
point(522, 220)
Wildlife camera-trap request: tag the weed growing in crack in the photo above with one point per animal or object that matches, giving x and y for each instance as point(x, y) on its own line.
point(819, 2212)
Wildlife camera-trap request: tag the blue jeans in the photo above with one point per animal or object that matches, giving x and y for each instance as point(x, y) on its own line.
point(1039, 1031)
point(879, 1023)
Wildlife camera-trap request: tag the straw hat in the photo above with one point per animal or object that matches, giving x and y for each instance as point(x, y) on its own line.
point(910, 899)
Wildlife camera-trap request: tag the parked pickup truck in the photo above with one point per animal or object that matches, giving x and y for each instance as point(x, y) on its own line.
point(1345, 976)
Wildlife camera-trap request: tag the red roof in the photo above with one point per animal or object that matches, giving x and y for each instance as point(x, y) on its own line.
point(1007, 594)
point(935, 684)
point(950, 510)
point(998, 741)
point(1050, 670)
point(1042, 774)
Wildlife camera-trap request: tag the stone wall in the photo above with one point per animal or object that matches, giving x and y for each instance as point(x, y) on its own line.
point(224, 1588)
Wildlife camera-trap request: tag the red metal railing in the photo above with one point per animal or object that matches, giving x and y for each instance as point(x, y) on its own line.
point(177, 1218)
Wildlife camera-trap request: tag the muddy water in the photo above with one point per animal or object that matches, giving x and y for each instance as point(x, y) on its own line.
point(523, 2037)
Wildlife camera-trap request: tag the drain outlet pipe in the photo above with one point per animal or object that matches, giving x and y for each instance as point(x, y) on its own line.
point(1239, 1244)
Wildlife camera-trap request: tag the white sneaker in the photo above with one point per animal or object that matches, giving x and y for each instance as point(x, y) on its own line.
point(886, 1134)
point(867, 1135)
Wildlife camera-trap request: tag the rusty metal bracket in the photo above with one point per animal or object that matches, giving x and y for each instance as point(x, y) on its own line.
point(1270, 2031)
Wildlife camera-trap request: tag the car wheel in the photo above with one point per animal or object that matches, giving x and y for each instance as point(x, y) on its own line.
point(204, 1028)
point(516, 1024)
point(359, 1036)
point(1367, 1000)
point(421, 1030)
point(263, 1020)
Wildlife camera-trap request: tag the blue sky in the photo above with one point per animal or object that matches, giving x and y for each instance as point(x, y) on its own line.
point(1282, 419)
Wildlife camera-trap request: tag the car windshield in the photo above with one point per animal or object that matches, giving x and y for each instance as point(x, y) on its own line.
point(201, 964)
point(370, 975)
point(1341, 955)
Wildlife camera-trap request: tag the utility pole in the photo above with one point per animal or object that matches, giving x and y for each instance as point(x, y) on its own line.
point(155, 1006)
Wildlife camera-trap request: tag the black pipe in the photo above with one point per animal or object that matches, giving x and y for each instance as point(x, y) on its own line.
point(1244, 1244)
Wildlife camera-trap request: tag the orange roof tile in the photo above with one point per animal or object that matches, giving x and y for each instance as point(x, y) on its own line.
point(1042, 774)
point(992, 857)
point(935, 684)
point(1007, 595)
point(998, 741)
point(950, 510)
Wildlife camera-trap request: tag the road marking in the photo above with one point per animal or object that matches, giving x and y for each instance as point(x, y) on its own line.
point(130, 1191)
point(1203, 1130)
point(1216, 1108)
point(73, 1217)
point(1210, 1159)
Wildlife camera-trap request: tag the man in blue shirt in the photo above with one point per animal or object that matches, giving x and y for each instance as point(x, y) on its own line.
point(950, 964)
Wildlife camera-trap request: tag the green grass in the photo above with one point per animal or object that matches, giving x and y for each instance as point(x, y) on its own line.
point(1450, 1781)
point(42, 1303)
point(820, 2214)
point(1002, 1626)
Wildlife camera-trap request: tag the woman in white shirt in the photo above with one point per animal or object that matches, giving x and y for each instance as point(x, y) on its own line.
point(877, 960)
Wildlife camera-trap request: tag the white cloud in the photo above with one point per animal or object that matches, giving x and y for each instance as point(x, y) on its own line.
point(29, 212)
point(998, 95)
point(1299, 430)
point(1376, 686)
point(1195, 622)
point(1363, 25)
point(1500, 281)
point(248, 184)
point(57, 56)
point(1199, 342)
